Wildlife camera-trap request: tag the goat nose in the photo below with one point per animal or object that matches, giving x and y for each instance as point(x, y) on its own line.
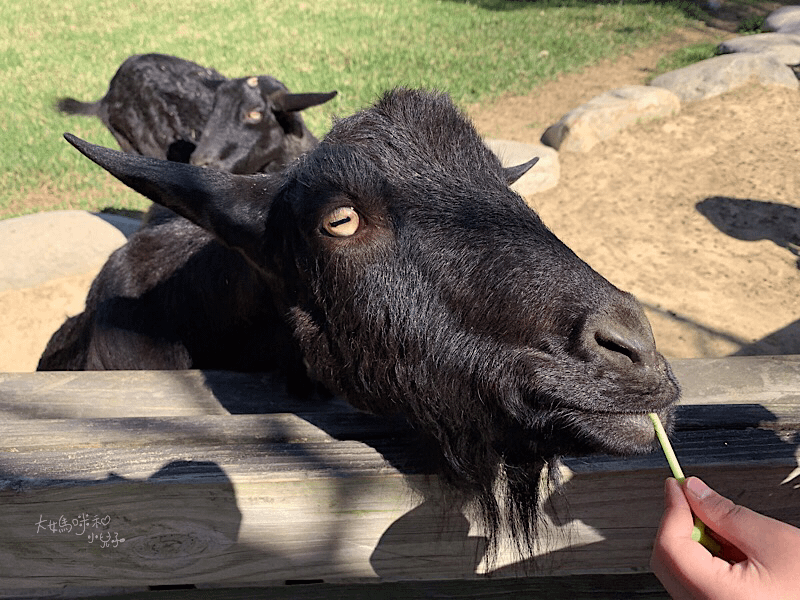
point(621, 335)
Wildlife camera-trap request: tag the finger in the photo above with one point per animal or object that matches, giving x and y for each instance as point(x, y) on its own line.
point(677, 559)
point(673, 525)
point(741, 527)
point(677, 519)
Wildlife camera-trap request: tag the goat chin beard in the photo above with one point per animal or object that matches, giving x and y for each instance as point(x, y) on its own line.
point(524, 503)
point(517, 511)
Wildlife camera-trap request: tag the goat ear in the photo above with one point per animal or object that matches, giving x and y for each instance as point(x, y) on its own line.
point(232, 207)
point(295, 102)
point(514, 173)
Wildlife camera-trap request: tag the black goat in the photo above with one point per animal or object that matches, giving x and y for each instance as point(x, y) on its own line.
point(170, 108)
point(396, 265)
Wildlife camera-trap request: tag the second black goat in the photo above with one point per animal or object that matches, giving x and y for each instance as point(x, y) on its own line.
point(169, 108)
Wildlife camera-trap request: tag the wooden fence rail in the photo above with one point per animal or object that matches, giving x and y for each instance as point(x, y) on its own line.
point(126, 482)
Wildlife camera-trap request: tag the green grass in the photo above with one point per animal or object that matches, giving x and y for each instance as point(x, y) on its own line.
point(685, 56)
point(752, 24)
point(473, 50)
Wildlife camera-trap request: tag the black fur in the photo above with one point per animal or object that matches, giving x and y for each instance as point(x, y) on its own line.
point(166, 107)
point(452, 303)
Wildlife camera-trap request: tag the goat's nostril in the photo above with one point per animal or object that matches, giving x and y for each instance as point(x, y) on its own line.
point(617, 345)
point(621, 335)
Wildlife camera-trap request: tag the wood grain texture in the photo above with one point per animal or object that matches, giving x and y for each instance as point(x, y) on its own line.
point(219, 480)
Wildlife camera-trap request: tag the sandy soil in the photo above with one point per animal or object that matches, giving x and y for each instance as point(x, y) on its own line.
point(28, 317)
point(698, 215)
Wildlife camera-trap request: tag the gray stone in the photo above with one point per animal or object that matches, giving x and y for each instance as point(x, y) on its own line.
point(786, 19)
point(720, 74)
point(604, 115)
point(544, 174)
point(783, 46)
point(44, 246)
point(127, 225)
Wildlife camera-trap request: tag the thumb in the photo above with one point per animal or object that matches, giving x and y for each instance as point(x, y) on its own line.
point(745, 529)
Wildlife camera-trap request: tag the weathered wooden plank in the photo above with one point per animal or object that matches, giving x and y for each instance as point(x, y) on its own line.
point(317, 508)
point(273, 444)
point(642, 586)
point(248, 531)
point(133, 432)
point(592, 587)
point(758, 391)
point(771, 382)
point(730, 380)
point(139, 393)
point(315, 491)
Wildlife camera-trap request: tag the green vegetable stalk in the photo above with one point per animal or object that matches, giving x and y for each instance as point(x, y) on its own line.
point(699, 531)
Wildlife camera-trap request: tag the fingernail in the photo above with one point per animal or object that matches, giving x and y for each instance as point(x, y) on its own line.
point(697, 488)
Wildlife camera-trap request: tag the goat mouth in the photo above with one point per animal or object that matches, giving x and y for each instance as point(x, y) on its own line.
point(620, 433)
point(576, 432)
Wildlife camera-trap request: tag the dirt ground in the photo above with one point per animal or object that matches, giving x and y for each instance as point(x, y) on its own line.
point(698, 214)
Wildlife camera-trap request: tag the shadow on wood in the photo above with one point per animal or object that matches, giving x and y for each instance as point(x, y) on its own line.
point(219, 480)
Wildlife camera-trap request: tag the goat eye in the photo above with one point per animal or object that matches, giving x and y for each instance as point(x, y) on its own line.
point(342, 222)
point(255, 116)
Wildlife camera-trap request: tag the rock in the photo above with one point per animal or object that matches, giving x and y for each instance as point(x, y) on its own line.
point(40, 247)
point(544, 174)
point(783, 46)
point(720, 74)
point(786, 19)
point(604, 115)
point(126, 225)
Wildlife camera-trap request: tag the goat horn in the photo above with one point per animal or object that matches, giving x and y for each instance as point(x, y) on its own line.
point(514, 173)
point(230, 206)
point(295, 102)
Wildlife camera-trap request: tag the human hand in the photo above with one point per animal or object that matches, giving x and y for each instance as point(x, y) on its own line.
point(760, 557)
